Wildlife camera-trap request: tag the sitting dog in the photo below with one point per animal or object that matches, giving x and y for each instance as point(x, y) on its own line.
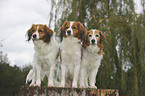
point(91, 58)
point(72, 35)
point(46, 51)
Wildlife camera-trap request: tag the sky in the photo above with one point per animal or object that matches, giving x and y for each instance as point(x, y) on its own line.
point(16, 17)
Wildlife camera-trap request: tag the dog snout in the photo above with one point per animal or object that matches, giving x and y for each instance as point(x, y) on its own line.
point(34, 36)
point(69, 32)
point(93, 41)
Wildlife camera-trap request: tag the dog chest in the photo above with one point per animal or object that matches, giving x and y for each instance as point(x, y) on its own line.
point(90, 60)
point(71, 47)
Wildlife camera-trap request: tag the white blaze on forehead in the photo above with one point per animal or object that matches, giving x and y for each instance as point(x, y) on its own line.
point(70, 28)
point(71, 23)
point(36, 33)
point(93, 37)
point(93, 34)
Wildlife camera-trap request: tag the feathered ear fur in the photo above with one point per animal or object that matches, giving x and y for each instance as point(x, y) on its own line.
point(48, 34)
point(29, 33)
point(86, 41)
point(62, 31)
point(83, 35)
point(102, 36)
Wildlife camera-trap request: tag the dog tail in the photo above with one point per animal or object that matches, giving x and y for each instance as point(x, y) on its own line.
point(29, 76)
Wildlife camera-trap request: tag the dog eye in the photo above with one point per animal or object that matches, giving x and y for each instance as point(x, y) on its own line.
point(66, 27)
point(40, 30)
point(97, 35)
point(90, 35)
point(74, 28)
point(33, 30)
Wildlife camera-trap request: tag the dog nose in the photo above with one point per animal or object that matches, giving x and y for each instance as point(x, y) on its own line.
point(68, 32)
point(93, 40)
point(34, 36)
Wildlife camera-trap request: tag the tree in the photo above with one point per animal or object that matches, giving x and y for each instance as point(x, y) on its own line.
point(123, 64)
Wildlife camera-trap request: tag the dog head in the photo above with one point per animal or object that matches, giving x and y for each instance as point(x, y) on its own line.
point(73, 28)
point(96, 38)
point(39, 32)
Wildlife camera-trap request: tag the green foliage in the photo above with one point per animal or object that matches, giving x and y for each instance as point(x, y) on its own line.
point(123, 64)
point(11, 78)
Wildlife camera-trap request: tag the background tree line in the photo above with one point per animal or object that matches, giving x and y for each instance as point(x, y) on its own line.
point(11, 78)
point(123, 65)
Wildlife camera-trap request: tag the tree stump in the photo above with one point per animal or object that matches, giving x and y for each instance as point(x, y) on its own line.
point(57, 91)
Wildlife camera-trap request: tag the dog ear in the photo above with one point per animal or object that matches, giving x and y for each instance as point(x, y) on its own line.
point(30, 32)
point(102, 36)
point(48, 30)
point(82, 30)
point(83, 35)
point(86, 40)
point(48, 34)
point(62, 31)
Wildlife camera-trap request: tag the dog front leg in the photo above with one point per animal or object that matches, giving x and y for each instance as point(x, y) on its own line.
point(81, 81)
point(34, 62)
point(63, 69)
point(51, 76)
point(38, 73)
point(93, 78)
point(75, 78)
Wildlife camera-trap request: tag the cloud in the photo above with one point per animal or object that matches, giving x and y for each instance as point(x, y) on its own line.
point(138, 7)
point(24, 11)
point(16, 47)
point(16, 18)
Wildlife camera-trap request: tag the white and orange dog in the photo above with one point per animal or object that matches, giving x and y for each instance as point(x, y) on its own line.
point(72, 35)
point(91, 58)
point(46, 51)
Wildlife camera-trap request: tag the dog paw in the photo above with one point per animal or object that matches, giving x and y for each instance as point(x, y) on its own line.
point(32, 84)
point(61, 85)
point(93, 87)
point(50, 85)
point(74, 86)
point(81, 86)
point(37, 85)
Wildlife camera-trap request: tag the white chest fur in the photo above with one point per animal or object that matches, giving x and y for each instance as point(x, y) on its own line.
point(91, 59)
point(46, 52)
point(42, 48)
point(71, 49)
